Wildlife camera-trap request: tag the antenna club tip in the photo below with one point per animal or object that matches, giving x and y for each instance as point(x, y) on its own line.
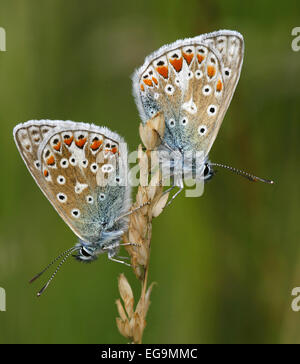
point(269, 181)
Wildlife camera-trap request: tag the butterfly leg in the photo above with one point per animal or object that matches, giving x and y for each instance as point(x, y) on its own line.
point(169, 189)
point(174, 196)
point(177, 193)
point(111, 257)
point(162, 141)
point(131, 244)
point(172, 185)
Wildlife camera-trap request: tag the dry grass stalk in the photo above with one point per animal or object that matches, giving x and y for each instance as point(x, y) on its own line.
point(131, 323)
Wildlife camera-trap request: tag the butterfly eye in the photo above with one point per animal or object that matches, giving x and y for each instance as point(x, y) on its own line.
point(171, 123)
point(202, 130)
point(211, 110)
point(206, 170)
point(85, 252)
point(184, 121)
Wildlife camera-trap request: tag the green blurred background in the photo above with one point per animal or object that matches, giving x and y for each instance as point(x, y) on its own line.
point(225, 263)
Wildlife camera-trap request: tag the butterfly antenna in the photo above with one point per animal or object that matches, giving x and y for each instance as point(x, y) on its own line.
point(70, 251)
point(247, 175)
point(48, 266)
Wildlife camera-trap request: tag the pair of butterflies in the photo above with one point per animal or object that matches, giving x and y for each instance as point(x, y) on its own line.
point(82, 168)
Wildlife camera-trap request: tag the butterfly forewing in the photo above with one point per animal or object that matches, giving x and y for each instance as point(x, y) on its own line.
point(83, 171)
point(192, 82)
point(230, 47)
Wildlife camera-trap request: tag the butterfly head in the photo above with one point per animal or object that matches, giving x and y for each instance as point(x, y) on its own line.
point(109, 241)
point(86, 252)
point(208, 171)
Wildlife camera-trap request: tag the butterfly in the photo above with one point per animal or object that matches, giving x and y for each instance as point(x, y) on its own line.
point(82, 169)
point(191, 82)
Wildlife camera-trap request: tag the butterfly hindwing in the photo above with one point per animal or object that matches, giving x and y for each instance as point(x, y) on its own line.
point(28, 137)
point(192, 82)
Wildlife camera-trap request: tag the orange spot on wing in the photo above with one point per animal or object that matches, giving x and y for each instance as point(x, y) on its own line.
point(219, 86)
point(114, 150)
point(188, 57)
point(57, 146)
point(176, 63)
point(142, 87)
point(200, 58)
point(154, 80)
point(68, 141)
point(96, 144)
point(51, 160)
point(148, 82)
point(80, 142)
point(163, 71)
point(46, 173)
point(211, 71)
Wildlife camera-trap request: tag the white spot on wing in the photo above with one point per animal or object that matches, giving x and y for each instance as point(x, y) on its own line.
point(190, 106)
point(61, 180)
point(80, 187)
point(75, 213)
point(107, 168)
point(61, 197)
point(169, 89)
point(64, 163)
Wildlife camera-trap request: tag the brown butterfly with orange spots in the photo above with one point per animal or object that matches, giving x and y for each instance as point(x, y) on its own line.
point(191, 82)
point(82, 169)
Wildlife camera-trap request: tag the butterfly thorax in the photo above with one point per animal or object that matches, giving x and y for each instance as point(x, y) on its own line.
point(183, 165)
point(109, 242)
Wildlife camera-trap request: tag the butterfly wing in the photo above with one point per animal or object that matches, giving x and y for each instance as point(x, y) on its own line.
point(83, 171)
point(192, 82)
point(28, 137)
